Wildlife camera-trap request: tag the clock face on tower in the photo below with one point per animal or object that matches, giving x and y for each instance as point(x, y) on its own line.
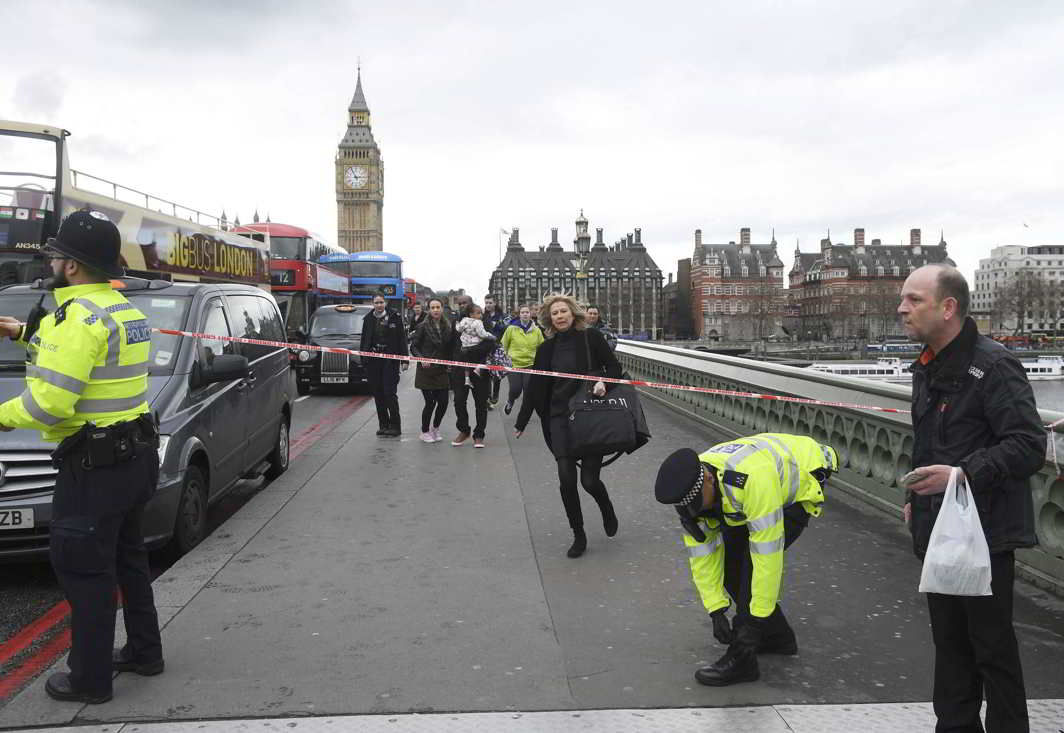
point(356, 176)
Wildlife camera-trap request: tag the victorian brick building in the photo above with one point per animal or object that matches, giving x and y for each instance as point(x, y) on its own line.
point(736, 289)
point(621, 279)
point(852, 291)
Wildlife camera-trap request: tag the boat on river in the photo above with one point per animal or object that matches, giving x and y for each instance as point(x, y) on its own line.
point(893, 369)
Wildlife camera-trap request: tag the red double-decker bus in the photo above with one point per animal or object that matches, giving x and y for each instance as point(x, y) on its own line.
point(298, 283)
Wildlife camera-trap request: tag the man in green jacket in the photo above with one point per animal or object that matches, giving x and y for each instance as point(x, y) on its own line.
point(741, 504)
point(520, 341)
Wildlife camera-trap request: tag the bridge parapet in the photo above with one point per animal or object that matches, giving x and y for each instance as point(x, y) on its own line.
point(875, 448)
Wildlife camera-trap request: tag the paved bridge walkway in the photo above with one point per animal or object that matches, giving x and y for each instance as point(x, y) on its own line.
point(424, 587)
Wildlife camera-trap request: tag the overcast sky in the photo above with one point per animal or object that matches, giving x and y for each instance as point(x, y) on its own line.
point(798, 116)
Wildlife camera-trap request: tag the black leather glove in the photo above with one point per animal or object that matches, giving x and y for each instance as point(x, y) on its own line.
point(748, 635)
point(690, 525)
point(722, 631)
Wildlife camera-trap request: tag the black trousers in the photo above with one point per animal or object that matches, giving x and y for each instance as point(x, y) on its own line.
point(590, 468)
point(496, 383)
point(481, 386)
point(517, 385)
point(96, 543)
point(435, 399)
point(976, 651)
point(383, 376)
point(739, 569)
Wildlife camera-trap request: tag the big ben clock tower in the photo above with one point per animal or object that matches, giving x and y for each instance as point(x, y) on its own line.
point(359, 181)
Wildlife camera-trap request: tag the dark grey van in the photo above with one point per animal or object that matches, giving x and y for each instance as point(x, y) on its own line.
point(224, 411)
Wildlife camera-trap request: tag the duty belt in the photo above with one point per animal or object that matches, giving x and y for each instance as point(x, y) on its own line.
point(100, 447)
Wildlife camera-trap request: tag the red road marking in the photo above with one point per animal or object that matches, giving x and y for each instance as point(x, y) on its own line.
point(337, 415)
point(34, 631)
point(14, 680)
point(43, 658)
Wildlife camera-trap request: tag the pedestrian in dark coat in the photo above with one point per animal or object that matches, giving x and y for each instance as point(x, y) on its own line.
point(432, 339)
point(973, 408)
point(568, 348)
point(383, 332)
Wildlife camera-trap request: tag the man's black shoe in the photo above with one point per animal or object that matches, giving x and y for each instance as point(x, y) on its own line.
point(58, 688)
point(382, 431)
point(729, 670)
point(119, 663)
point(392, 432)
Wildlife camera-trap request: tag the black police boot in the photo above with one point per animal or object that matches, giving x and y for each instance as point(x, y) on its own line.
point(121, 661)
point(579, 543)
point(58, 687)
point(734, 667)
point(778, 636)
point(783, 642)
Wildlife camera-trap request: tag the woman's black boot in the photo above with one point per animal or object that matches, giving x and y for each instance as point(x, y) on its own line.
point(579, 543)
point(609, 519)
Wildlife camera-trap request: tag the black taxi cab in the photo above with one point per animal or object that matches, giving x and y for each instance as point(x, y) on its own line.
point(337, 326)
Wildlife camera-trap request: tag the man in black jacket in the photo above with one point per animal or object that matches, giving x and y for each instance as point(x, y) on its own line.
point(383, 331)
point(972, 407)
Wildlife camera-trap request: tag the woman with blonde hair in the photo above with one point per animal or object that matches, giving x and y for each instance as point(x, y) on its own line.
point(572, 348)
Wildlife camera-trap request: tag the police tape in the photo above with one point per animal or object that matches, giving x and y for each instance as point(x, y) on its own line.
point(525, 370)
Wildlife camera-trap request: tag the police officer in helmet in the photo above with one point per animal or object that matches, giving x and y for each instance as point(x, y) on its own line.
point(86, 389)
point(741, 504)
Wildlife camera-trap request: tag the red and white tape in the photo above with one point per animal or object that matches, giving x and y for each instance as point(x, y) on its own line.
point(540, 372)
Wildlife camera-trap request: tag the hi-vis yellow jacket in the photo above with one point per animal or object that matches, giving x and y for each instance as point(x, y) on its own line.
point(88, 362)
point(756, 477)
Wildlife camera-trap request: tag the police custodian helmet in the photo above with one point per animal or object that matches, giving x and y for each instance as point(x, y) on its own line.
point(90, 238)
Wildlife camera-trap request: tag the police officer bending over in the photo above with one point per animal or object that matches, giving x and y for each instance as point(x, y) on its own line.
point(86, 383)
point(741, 504)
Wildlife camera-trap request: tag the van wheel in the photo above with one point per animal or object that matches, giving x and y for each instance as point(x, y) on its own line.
point(279, 456)
point(190, 526)
point(302, 389)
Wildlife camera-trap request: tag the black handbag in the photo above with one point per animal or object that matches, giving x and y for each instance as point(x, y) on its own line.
point(613, 423)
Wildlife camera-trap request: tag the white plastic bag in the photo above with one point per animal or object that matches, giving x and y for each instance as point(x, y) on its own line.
point(957, 562)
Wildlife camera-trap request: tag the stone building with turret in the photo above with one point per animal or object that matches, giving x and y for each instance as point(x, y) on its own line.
point(621, 279)
point(852, 290)
point(736, 289)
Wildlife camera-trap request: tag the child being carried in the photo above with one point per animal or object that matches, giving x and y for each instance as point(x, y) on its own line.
point(477, 341)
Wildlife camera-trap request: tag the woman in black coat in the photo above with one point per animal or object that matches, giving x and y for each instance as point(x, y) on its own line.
point(573, 348)
point(383, 331)
point(433, 339)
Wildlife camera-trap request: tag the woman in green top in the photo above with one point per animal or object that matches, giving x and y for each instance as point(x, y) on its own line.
point(520, 341)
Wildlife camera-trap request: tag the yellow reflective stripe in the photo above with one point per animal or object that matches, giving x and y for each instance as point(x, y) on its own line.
point(114, 340)
point(57, 379)
point(792, 462)
point(766, 522)
point(705, 549)
point(766, 548)
point(124, 371)
point(114, 404)
point(731, 464)
point(37, 412)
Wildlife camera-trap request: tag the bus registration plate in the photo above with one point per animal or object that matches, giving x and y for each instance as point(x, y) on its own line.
point(16, 519)
point(334, 380)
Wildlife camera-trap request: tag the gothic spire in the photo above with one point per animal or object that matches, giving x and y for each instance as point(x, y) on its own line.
point(358, 102)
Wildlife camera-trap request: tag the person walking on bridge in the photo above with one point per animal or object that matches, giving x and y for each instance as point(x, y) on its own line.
point(432, 340)
point(741, 504)
point(573, 349)
point(86, 388)
point(383, 331)
point(972, 407)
